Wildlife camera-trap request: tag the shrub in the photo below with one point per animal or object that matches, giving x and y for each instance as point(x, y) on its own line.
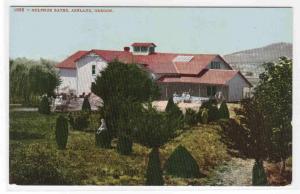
point(204, 116)
point(175, 118)
point(259, 177)
point(154, 172)
point(213, 111)
point(223, 111)
point(81, 121)
point(86, 105)
point(191, 117)
point(61, 133)
point(182, 164)
point(103, 139)
point(38, 165)
point(124, 144)
point(44, 107)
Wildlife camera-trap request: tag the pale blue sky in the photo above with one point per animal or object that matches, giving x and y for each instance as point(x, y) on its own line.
point(184, 30)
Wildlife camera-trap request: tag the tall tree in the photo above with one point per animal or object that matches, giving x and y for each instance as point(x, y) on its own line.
point(250, 136)
point(274, 95)
point(152, 130)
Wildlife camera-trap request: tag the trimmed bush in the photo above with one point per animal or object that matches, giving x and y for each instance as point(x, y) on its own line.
point(259, 177)
point(86, 105)
point(191, 117)
point(61, 133)
point(204, 116)
point(124, 145)
point(182, 164)
point(223, 111)
point(154, 172)
point(103, 139)
point(213, 111)
point(44, 107)
point(81, 121)
point(175, 118)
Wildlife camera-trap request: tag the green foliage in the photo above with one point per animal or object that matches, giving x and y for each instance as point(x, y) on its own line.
point(154, 171)
point(249, 135)
point(213, 112)
point(36, 165)
point(259, 177)
point(174, 115)
point(124, 144)
point(61, 132)
point(274, 95)
point(223, 111)
point(85, 164)
point(191, 117)
point(44, 107)
point(204, 115)
point(123, 88)
point(30, 79)
point(79, 120)
point(86, 105)
point(152, 123)
point(182, 164)
point(103, 139)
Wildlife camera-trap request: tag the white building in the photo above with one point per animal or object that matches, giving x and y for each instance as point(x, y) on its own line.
point(200, 74)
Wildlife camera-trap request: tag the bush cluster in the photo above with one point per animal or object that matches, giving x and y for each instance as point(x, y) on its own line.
point(191, 117)
point(209, 112)
point(79, 120)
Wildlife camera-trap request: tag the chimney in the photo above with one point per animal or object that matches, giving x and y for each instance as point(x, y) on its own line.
point(126, 48)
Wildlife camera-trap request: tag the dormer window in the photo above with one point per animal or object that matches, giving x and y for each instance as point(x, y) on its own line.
point(215, 65)
point(143, 48)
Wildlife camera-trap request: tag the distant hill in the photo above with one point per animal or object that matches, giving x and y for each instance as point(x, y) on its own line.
point(260, 55)
point(250, 61)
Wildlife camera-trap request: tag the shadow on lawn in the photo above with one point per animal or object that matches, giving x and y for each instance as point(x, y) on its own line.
point(22, 135)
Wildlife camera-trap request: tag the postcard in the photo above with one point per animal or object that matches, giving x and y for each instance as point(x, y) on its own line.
point(150, 96)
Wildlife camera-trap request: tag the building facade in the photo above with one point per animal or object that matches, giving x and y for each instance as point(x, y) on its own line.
point(201, 75)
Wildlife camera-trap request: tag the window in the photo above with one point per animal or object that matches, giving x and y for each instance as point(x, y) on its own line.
point(93, 69)
point(136, 49)
point(144, 49)
point(215, 65)
point(211, 90)
point(151, 50)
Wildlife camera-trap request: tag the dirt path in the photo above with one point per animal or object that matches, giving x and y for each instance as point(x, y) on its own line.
point(237, 172)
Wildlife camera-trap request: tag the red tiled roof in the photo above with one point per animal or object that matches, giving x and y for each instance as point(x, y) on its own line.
point(160, 63)
point(69, 63)
point(211, 76)
point(146, 44)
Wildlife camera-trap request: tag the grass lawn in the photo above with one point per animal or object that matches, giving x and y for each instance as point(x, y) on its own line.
point(34, 158)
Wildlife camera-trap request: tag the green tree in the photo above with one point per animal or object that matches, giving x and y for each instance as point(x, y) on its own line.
point(152, 131)
point(30, 79)
point(174, 115)
point(249, 135)
point(123, 89)
point(274, 95)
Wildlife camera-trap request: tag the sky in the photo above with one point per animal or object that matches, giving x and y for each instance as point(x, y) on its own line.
point(56, 35)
